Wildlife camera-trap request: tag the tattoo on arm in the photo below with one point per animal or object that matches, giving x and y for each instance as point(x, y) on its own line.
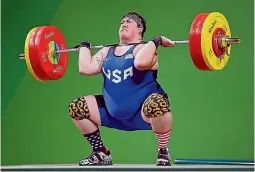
point(99, 62)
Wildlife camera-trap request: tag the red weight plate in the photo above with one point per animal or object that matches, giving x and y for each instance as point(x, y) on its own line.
point(198, 37)
point(48, 39)
point(27, 58)
point(195, 41)
point(37, 58)
point(219, 51)
point(193, 52)
point(33, 56)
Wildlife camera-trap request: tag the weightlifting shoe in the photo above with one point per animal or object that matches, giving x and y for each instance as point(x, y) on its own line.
point(164, 158)
point(97, 158)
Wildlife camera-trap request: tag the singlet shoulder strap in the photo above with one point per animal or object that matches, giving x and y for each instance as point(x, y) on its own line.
point(110, 52)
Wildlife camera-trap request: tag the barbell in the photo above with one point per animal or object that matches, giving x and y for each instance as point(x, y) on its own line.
point(210, 41)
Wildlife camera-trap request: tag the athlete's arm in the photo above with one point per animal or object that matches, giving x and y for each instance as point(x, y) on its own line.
point(146, 56)
point(91, 65)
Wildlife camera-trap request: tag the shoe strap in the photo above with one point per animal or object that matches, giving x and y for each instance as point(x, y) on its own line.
point(95, 156)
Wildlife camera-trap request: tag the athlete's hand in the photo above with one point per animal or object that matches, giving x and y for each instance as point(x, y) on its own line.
point(83, 44)
point(163, 41)
point(167, 42)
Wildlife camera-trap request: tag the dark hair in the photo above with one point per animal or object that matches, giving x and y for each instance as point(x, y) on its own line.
point(143, 21)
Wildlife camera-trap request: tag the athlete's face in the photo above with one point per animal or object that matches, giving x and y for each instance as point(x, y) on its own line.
point(128, 29)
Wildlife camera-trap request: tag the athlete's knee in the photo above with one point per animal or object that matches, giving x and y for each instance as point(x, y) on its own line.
point(78, 109)
point(156, 105)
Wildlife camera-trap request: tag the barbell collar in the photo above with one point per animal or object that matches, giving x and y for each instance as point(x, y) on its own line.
point(235, 40)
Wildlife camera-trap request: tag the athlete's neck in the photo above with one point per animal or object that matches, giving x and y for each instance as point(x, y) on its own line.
point(130, 41)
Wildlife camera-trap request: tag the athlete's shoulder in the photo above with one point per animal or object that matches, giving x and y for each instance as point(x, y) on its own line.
point(104, 51)
point(137, 48)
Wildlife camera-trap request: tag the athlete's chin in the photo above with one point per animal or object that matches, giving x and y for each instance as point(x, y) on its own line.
point(124, 36)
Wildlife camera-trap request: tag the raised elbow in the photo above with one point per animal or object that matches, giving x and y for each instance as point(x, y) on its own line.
point(141, 64)
point(83, 71)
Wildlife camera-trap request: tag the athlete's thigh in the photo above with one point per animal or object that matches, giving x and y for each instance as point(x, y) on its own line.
point(98, 107)
point(93, 107)
point(86, 107)
point(155, 105)
point(92, 102)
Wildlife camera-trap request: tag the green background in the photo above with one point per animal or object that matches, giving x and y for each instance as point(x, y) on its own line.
point(212, 111)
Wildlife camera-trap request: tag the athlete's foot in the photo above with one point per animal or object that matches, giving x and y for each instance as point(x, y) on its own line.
point(164, 158)
point(97, 158)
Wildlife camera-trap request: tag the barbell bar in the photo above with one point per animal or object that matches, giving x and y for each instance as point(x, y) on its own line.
point(227, 40)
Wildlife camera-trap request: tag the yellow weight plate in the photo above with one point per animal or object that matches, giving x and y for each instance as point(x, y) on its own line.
point(51, 48)
point(213, 21)
point(27, 58)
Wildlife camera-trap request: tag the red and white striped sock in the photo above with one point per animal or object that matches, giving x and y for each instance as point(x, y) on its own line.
point(163, 139)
